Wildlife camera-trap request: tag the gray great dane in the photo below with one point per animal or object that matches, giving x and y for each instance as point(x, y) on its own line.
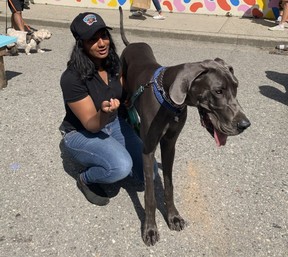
point(166, 92)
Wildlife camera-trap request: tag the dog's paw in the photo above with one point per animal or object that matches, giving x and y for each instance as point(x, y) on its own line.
point(41, 51)
point(150, 236)
point(176, 222)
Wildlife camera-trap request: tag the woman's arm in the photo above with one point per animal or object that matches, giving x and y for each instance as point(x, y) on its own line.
point(91, 119)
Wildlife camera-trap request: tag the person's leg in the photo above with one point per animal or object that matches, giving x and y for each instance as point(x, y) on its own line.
point(279, 19)
point(16, 7)
point(159, 10)
point(280, 6)
point(285, 12)
point(17, 21)
point(281, 25)
point(134, 145)
point(107, 161)
point(157, 5)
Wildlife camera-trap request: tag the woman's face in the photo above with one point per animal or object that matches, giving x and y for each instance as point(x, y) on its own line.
point(98, 46)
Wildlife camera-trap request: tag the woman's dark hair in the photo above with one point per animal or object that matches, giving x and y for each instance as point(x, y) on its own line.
point(86, 68)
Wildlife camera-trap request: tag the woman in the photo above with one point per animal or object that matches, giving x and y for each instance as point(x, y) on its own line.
point(94, 133)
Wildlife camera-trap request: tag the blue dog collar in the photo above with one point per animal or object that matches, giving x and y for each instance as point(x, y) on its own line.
point(160, 94)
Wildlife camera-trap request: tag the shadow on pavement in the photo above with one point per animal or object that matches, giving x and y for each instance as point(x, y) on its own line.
point(263, 22)
point(274, 93)
point(12, 74)
point(129, 184)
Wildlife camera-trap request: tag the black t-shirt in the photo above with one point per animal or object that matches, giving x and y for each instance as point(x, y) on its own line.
point(74, 89)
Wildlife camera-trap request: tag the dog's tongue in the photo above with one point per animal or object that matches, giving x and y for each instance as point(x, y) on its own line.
point(220, 138)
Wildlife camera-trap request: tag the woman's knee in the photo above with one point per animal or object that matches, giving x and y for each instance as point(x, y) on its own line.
point(121, 171)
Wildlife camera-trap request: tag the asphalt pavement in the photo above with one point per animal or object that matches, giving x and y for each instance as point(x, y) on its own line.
point(211, 28)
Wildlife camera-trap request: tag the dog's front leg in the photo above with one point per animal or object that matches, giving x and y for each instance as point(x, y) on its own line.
point(150, 232)
point(174, 220)
point(38, 48)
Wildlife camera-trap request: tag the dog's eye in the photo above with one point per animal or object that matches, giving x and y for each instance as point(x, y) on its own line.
point(219, 91)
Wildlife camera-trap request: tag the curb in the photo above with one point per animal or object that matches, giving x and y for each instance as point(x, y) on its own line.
point(258, 42)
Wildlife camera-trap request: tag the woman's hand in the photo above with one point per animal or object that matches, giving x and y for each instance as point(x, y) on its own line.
point(93, 120)
point(110, 106)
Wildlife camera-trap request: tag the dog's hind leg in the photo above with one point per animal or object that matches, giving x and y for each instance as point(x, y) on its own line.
point(27, 49)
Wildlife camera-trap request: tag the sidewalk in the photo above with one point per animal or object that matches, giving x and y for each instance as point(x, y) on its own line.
point(220, 29)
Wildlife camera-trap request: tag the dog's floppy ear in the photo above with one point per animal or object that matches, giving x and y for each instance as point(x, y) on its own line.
point(183, 81)
point(222, 62)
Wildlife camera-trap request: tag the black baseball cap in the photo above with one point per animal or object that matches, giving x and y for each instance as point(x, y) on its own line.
point(86, 24)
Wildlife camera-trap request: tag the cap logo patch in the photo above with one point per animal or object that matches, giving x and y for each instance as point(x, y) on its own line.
point(89, 19)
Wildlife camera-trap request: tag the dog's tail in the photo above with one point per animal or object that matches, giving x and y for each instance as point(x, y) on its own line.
point(122, 32)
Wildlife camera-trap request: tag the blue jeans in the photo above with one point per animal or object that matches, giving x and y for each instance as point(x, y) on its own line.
point(109, 155)
point(157, 5)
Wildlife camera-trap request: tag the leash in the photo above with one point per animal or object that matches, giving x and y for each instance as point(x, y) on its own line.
point(134, 119)
point(138, 92)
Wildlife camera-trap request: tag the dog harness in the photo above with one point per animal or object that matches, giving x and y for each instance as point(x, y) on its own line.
point(29, 36)
point(160, 94)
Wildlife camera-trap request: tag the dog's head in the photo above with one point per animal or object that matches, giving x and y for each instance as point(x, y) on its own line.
point(212, 87)
point(42, 34)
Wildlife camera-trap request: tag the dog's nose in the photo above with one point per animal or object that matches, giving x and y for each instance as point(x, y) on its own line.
point(243, 124)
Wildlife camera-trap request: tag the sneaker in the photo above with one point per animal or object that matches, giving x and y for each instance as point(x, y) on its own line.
point(93, 193)
point(159, 17)
point(279, 19)
point(278, 27)
point(137, 13)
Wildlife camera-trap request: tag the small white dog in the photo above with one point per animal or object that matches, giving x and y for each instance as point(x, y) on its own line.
point(29, 42)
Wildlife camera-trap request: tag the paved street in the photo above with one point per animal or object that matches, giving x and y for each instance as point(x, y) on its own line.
point(233, 198)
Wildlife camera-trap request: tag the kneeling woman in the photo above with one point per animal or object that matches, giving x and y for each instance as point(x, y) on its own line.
point(94, 133)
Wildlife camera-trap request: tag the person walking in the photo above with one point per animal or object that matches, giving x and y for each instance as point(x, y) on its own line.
point(95, 133)
point(159, 10)
point(157, 5)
